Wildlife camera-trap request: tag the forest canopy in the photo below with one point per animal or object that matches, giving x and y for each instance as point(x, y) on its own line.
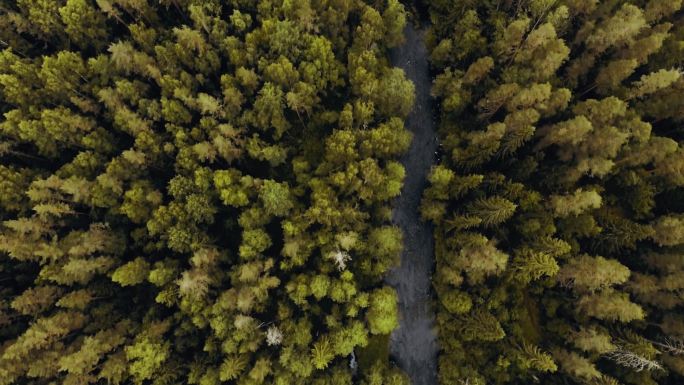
point(557, 199)
point(202, 191)
point(198, 192)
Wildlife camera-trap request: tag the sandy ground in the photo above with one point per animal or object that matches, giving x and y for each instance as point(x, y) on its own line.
point(413, 345)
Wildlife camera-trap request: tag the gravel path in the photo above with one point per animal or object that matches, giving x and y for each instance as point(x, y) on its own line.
point(413, 345)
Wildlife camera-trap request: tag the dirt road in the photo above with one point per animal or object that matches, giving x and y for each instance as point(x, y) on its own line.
point(413, 345)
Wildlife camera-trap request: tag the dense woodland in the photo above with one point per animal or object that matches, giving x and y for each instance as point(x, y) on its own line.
point(198, 191)
point(558, 198)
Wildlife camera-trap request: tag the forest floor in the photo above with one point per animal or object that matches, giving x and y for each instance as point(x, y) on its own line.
point(413, 345)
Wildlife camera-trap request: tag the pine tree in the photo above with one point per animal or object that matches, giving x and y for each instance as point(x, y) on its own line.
point(531, 357)
point(382, 312)
point(588, 274)
point(131, 273)
point(610, 305)
point(480, 325)
point(492, 211)
point(530, 265)
point(321, 353)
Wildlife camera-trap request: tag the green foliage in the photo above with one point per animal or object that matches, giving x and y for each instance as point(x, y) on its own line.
point(492, 211)
point(232, 367)
point(480, 258)
point(456, 302)
point(576, 203)
point(385, 242)
point(531, 357)
point(611, 306)
point(564, 112)
point(592, 340)
point(146, 358)
point(587, 273)
point(131, 273)
point(669, 230)
point(84, 24)
point(380, 374)
point(382, 311)
point(174, 178)
point(530, 265)
point(200, 191)
point(395, 94)
point(576, 366)
point(276, 198)
point(322, 353)
point(481, 325)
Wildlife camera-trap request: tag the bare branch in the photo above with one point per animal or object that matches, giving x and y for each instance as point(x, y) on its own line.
point(632, 360)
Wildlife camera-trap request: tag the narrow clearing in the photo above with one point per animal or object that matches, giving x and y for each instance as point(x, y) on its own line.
point(413, 345)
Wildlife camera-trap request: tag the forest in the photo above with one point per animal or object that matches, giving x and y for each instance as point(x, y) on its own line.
point(203, 192)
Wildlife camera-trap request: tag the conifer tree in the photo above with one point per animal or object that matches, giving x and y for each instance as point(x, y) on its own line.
point(563, 110)
point(175, 177)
